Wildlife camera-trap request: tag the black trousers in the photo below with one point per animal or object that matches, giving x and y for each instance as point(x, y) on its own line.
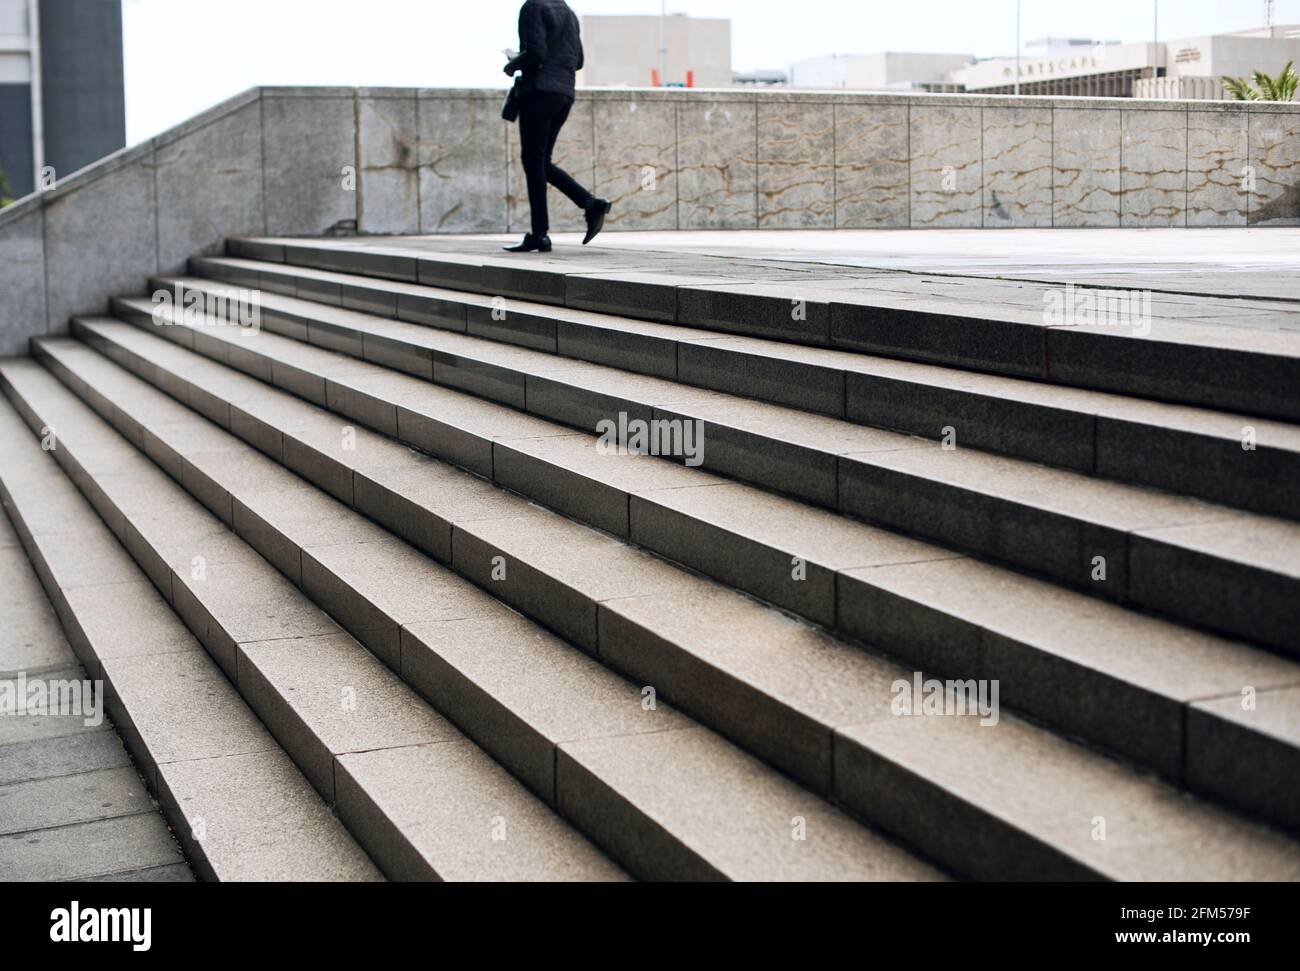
point(541, 116)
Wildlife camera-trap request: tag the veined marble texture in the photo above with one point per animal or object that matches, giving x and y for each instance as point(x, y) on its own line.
point(947, 182)
point(462, 165)
point(574, 153)
point(1086, 167)
point(796, 165)
point(208, 177)
point(717, 183)
point(1017, 167)
point(1217, 150)
point(388, 138)
point(871, 166)
point(1275, 162)
point(636, 162)
point(307, 142)
point(1154, 174)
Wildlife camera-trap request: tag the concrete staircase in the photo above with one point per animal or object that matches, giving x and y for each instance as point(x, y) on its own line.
point(72, 807)
point(496, 651)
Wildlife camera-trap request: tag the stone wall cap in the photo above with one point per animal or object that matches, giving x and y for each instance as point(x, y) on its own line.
point(92, 173)
point(388, 92)
point(207, 117)
point(21, 209)
point(309, 91)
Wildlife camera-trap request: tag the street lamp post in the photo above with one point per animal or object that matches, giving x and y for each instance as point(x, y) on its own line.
point(1155, 39)
point(1017, 46)
point(663, 42)
point(37, 80)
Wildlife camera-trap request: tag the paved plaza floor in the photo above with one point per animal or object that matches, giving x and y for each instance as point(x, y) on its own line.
point(1215, 286)
point(1221, 262)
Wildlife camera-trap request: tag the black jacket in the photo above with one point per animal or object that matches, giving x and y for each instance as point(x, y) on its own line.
point(550, 48)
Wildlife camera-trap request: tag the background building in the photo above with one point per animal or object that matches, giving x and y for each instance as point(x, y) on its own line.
point(61, 93)
point(1175, 69)
point(633, 51)
point(1194, 66)
point(889, 71)
point(1076, 66)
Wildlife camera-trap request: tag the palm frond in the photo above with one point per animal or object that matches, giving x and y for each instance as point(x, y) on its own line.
point(1280, 88)
point(1239, 88)
point(1264, 85)
point(1288, 82)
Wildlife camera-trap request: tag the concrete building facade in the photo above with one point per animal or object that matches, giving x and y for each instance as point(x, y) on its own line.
point(679, 50)
point(1183, 69)
point(1187, 68)
point(885, 71)
point(62, 99)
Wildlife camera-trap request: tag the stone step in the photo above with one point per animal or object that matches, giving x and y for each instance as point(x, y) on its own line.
point(1169, 357)
point(784, 690)
point(415, 793)
point(949, 614)
point(524, 695)
point(71, 804)
point(1191, 451)
point(241, 809)
point(1233, 572)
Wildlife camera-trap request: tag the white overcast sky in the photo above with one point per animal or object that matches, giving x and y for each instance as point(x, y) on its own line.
point(185, 55)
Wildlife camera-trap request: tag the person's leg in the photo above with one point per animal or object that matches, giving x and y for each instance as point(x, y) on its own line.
point(555, 175)
point(535, 140)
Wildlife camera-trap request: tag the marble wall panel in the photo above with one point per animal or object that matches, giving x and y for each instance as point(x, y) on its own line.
point(871, 166)
point(1217, 150)
point(462, 165)
point(717, 144)
point(636, 161)
point(388, 140)
point(796, 164)
point(1017, 167)
point(1154, 176)
point(1275, 168)
point(947, 183)
point(308, 150)
point(1086, 162)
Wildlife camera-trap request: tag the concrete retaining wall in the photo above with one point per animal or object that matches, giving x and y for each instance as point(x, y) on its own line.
point(296, 161)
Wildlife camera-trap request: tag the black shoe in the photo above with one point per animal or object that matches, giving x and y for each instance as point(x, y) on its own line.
point(597, 210)
point(532, 244)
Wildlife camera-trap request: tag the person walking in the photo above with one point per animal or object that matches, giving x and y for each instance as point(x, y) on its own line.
point(550, 54)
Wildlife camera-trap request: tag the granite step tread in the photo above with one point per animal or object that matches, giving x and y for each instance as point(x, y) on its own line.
point(172, 705)
point(322, 697)
point(520, 692)
point(919, 602)
point(1076, 529)
point(63, 773)
point(1199, 450)
point(698, 645)
point(972, 324)
point(192, 738)
point(1062, 398)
